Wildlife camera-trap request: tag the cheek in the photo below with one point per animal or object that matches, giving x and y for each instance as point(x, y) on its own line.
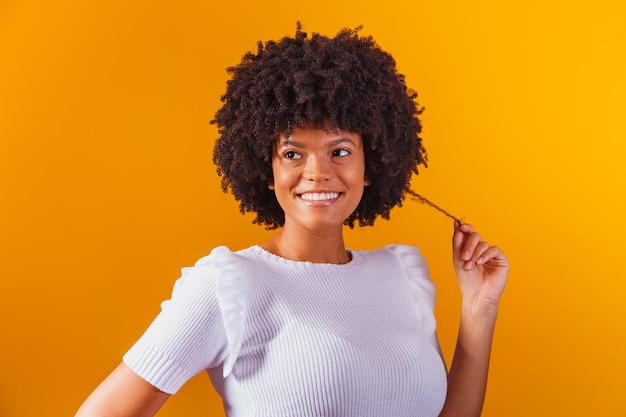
point(362, 176)
point(282, 179)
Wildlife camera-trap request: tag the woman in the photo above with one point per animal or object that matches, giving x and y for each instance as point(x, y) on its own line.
point(316, 133)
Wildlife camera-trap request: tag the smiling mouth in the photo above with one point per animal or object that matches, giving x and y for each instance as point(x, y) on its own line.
point(319, 196)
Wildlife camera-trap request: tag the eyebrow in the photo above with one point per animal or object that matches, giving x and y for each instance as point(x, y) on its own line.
point(330, 144)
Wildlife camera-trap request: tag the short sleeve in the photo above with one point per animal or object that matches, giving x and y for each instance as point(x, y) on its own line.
point(422, 288)
point(189, 335)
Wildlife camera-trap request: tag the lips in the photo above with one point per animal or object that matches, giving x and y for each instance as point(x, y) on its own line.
point(319, 196)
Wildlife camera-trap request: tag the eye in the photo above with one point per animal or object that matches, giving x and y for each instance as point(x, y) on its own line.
point(341, 152)
point(292, 155)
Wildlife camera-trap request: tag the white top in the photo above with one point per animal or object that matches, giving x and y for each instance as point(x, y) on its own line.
point(283, 338)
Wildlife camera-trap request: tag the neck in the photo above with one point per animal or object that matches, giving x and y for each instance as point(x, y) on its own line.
point(327, 247)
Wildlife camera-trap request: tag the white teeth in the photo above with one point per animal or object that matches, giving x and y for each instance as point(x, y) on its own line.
point(319, 196)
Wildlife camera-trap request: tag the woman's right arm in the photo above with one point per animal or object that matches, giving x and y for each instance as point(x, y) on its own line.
point(123, 394)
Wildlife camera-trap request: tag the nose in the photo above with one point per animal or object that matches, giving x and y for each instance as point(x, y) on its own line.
point(317, 169)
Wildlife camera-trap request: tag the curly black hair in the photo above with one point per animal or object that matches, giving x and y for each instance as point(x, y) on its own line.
point(346, 83)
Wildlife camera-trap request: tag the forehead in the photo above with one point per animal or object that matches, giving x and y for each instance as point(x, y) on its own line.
point(302, 136)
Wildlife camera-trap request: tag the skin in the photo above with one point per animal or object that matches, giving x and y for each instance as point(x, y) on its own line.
point(123, 394)
point(319, 178)
point(482, 272)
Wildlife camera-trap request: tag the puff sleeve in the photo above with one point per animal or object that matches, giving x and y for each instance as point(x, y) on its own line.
point(198, 328)
point(421, 287)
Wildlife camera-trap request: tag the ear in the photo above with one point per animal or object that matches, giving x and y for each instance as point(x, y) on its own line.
point(366, 181)
point(270, 185)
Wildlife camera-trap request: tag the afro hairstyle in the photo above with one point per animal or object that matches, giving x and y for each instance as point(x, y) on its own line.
point(346, 82)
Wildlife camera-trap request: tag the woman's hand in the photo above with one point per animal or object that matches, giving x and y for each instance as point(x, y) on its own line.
point(481, 269)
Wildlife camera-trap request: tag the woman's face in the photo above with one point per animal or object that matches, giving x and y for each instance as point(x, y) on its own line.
point(319, 176)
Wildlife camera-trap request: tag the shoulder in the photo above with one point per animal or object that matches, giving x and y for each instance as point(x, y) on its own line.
point(222, 256)
point(413, 264)
point(406, 255)
point(219, 262)
point(204, 283)
point(409, 256)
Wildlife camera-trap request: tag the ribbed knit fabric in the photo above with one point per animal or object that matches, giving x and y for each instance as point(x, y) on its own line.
point(283, 338)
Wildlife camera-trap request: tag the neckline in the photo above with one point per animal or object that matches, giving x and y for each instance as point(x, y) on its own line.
point(355, 260)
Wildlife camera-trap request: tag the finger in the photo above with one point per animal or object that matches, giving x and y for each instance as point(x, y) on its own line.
point(479, 251)
point(466, 228)
point(492, 255)
point(469, 245)
point(458, 239)
point(476, 255)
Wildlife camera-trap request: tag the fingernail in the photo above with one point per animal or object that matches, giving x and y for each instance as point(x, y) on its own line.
point(479, 261)
point(466, 255)
point(469, 265)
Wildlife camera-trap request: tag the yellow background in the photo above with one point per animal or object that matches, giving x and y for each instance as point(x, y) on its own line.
point(107, 187)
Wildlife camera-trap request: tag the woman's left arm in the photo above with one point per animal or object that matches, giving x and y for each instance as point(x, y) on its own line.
point(482, 272)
